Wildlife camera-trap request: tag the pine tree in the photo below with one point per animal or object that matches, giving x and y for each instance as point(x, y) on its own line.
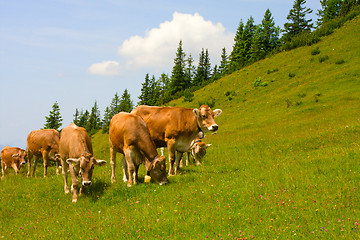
point(53, 121)
point(257, 49)
point(76, 117)
point(189, 72)
point(270, 33)
point(237, 59)
point(203, 71)
point(106, 119)
point(298, 22)
point(83, 118)
point(164, 92)
point(224, 63)
point(330, 9)
point(126, 104)
point(249, 32)
point(145, 92)
point(347, 5)
point(93, 123)
point(115, 105)
point(177, 83)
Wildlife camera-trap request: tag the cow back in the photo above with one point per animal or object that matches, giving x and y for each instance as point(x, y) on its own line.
point(43, 140)
point(128, 129)
point(74, 141)
point(168, 122)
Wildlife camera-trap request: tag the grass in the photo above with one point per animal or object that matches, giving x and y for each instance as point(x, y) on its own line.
point(273, 171)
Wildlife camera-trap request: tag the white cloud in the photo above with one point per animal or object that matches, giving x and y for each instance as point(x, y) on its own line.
point(158, 47)
point(107, 68)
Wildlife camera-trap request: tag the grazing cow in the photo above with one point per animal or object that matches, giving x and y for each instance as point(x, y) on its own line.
point(198, 151)
point(43, 143)
point(129, 135)
point(12, 157)
point(176, 127)
point(77, 155)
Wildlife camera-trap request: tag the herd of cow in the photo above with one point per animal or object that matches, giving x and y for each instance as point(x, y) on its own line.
point(136, 135)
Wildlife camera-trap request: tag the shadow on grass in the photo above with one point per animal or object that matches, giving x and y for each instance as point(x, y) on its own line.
point(95, 190)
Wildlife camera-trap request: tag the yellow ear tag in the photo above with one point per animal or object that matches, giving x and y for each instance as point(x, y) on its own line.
point(147, 179)
point(73, 163)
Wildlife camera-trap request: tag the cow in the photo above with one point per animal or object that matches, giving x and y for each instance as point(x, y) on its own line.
point(12, 157)
point(43, 143)
point(129, 135)
point(176, 127)
point(76, 154)
point(197, 151)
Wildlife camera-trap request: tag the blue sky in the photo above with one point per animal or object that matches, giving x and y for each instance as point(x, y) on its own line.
point(77, 52)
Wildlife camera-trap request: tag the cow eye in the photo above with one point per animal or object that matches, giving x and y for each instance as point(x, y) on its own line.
point(204, 116)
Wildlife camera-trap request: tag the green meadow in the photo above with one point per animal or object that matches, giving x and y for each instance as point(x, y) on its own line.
point(284, 163)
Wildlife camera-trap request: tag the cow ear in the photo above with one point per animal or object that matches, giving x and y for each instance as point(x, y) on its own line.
point(208, 145)
point(196, 112)
point(73, 161)
point(217, 112)
point(100, 162)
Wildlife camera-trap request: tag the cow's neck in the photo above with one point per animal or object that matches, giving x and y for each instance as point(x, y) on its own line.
point(201, 132)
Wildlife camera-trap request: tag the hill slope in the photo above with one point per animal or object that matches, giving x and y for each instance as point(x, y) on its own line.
point(285, 163)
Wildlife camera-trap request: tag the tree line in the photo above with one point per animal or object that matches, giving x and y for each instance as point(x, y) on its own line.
point(252, 42)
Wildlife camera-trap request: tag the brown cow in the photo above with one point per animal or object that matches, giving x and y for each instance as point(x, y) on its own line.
point(77, 155)
point(43, 143)
point(176, 127)
point(12, 157)
point(129, 135)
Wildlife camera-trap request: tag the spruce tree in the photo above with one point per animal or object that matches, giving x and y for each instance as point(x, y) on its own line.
point(330, 9)
point(145, 92)
point(126, 104)
point(237, 59)
point(269, 32)
point(76, 117)
point(257, 48)
point(223, 68)
point(189, 72)
point(177, 83)
point(94, 122)
point(298, 22)
point(83, 118)
point(106, 119)
point(53, 121)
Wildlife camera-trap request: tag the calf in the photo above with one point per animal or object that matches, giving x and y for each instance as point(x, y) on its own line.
point(129, 135)
point(198, 151)
point(43, 143)
point(12, 157)
point(77, 155)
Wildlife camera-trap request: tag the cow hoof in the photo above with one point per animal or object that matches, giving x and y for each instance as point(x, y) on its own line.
point(74, 200)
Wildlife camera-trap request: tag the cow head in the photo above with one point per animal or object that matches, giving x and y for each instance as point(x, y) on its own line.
point(85, 164)
point(19, 160)
point(157, 169)
point(205, 118)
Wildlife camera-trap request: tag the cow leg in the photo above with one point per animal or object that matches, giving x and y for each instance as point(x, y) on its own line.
point(30, 156)
point(34, 166)
point(130, 158)
point(188, 158)
point(74, 185)
point(125, 170)
point(171, 151)
point(46, 161)
point(3, 169)
point(57, 167)
point(113, 163)
point(64, 169)
point(178, 158)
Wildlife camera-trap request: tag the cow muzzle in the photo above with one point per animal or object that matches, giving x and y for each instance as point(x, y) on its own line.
point(214, 127)
point(86, 183)
point(23, 163)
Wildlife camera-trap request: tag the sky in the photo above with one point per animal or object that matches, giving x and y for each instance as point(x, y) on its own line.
point(77, 52)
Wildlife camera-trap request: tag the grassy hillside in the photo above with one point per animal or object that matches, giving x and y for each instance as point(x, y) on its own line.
point(284, 164)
